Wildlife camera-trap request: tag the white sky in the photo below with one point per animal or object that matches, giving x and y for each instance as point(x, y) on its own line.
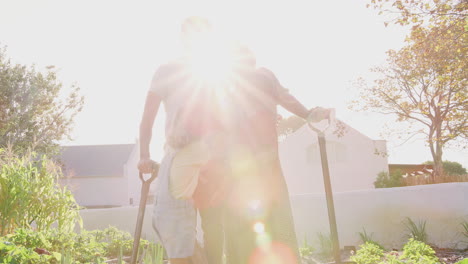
point(112, 48)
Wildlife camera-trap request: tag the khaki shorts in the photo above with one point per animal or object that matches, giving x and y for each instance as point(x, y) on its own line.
point(175, 221)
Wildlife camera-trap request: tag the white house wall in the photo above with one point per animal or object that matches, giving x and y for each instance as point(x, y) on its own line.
point(354, 161)
point(98, 191)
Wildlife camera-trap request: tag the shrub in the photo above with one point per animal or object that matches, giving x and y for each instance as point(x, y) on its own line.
point(392, 258)
point(86, 247)
point(369, 253)
point(418, 252)
point(31, 195)
point(414, 252)
point(18, 254)
point(386, 180)
point(29, 238)
point(306, 249)
point(367, 238)
point(325, 250)
point(451, 167)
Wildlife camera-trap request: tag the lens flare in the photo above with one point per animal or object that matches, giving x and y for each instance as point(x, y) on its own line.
point(276, 253)
point(259, 228)
point(263, 240)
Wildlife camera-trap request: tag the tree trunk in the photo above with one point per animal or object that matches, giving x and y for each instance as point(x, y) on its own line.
point(438, 165)
point(437, 153)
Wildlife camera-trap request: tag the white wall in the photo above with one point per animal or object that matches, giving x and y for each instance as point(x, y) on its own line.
point(352, 161)
point(382, 212)
point(379, 211)
point(123, 218)
point(98, 191)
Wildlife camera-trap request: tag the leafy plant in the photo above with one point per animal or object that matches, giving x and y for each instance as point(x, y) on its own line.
point(367, 238)
point(392, 258)
point(153, 254)
point(31, 195)
point(417, 231)
point(306, 249)
point(325, 246)
point(86, 247)
point(389, 180)
point(417, 252)
point(414, 252)
point(369, 253)
point(465, 229)
point(29, 238)
point(17, 254)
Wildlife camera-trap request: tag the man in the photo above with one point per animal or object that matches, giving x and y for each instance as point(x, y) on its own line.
point(188, 122)
point(259, 224)
point(255, 206)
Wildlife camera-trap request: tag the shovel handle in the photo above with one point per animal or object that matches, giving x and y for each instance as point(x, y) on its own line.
point(145, 186)
point(331, 118)
point(154, 173)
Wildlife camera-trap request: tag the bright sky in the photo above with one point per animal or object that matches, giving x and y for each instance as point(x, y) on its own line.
point(112, 48)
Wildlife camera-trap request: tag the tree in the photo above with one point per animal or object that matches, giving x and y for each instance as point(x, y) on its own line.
point(451, 167)
point(389, 180)
point(425, 82)
point(289, 125)
point(32, 114)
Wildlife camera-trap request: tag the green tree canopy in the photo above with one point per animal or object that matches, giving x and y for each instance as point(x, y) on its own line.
point(425, 82)
point(32, 113)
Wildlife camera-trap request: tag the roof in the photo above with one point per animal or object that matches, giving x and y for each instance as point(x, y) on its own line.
point(95, 160)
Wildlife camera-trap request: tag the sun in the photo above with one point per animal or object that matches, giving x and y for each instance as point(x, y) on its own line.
point(212, 60)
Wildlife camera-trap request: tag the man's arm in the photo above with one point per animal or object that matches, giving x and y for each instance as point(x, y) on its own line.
point(152, 104)
point(285, 99)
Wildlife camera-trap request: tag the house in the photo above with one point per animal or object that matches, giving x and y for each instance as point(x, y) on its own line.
point(101, 175)
point(354, 159)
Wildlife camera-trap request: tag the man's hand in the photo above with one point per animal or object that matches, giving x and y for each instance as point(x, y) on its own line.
point(145, 165)
point(318, 114)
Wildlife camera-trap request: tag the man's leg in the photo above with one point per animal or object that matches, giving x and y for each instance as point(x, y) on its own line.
point(179, 261)
point(213, 234)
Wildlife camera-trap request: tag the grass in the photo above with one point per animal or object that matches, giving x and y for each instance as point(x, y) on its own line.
point(325, 250)
point(417, 230)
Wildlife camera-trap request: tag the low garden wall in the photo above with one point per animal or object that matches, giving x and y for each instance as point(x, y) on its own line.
point(383, 212)
point(380, 212)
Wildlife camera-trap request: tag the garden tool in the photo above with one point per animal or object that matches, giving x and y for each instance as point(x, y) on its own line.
point(327, 183)
point(145, 186)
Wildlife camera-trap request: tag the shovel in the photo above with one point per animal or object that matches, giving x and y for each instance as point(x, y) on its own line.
point(328, 187)
point(145, 186)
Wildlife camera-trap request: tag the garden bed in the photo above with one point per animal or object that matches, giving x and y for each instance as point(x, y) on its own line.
point(443, 256)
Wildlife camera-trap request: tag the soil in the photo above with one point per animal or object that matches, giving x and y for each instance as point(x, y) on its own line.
point(445, 255)
point(450, 256)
